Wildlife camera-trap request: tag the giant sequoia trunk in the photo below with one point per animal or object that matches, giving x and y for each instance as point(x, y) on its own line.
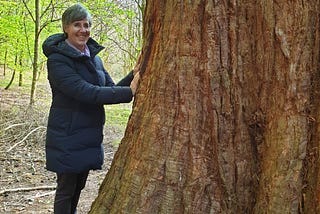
point(226, 116)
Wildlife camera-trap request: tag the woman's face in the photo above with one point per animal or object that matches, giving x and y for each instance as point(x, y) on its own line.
point(78, 33)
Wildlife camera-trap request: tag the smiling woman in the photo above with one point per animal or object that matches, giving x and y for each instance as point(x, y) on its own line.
point(76, 23)
point(78, 34)
point(80, 87)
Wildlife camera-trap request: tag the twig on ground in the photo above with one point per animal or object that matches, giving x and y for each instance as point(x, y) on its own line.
point(21, 141)
point(11, 126)
point(42, 195)
point(25, 189)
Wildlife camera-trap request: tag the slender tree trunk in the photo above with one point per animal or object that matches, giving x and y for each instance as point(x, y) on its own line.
point(5, 62)
point(13, 73)
point(35, 52)
point(20, 70)
point(225, 118)
point(11, 80)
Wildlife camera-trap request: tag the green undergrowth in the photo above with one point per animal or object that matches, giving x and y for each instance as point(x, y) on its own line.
point(117, 115)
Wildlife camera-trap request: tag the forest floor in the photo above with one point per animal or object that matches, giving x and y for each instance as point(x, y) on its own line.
point(25, 185)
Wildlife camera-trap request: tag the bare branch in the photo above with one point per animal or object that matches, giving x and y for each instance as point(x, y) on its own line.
point(47, 23)
point(46, 9)
point(25, 189)
point(42, 195)
point(29, 11)
point(21, 141)
point(119, 46)
point(14, 125)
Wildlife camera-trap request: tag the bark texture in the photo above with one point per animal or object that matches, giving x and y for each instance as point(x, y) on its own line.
point(226, 116)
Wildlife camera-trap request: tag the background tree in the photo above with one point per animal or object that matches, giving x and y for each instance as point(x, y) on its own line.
point(226, 116)
point(40, 11)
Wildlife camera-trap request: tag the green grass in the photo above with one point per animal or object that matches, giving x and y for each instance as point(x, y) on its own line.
point(26, 80)
point(116, 119)
point(117, 114)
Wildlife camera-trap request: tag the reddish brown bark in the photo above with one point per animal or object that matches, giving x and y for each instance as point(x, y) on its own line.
point(224, 113)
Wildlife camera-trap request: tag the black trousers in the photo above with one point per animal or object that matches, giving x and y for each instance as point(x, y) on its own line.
point(69, 186)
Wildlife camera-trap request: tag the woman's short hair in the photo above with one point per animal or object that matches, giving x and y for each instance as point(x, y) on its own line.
point(74, 13)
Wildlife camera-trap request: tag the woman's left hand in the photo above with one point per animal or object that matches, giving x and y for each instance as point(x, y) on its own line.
point(135, 82)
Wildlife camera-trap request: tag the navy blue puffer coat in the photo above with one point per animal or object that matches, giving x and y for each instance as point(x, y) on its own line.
point(80, 87)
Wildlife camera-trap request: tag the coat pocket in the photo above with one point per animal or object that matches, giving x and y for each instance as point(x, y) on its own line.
point(59, 120)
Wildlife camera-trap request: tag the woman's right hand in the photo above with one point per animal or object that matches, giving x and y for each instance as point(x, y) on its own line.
point(135, 82)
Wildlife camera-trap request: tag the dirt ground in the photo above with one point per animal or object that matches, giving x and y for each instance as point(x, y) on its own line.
point(25, 185)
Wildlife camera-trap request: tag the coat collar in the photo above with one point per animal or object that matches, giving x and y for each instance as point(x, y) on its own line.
point(56, 44)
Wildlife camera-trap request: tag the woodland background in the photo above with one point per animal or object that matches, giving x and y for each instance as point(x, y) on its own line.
point(25, 185)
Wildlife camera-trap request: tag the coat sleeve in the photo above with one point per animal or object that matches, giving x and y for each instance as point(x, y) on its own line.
point(126, 80)
point(63, 77)
point(109, 81)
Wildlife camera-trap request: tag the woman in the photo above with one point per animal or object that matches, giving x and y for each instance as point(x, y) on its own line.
point(80, 87)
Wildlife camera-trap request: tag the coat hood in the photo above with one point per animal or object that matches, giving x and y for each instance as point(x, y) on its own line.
point(56, 44)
